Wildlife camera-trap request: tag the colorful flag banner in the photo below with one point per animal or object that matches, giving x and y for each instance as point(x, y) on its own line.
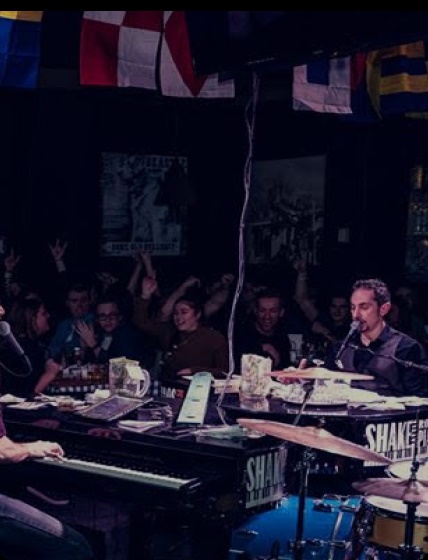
point(388, 81)
point(323, 86)
point(20, 48)
point(398, 80)
point(147, 49)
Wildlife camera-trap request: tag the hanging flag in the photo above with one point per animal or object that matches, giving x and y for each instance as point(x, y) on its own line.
point(334, 85)
point(20, 48)
point(147, 49)
point(398, 80)
point(323, 86)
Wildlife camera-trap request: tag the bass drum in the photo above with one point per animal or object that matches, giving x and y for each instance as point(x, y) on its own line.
point(327, 529)
point(379, 526)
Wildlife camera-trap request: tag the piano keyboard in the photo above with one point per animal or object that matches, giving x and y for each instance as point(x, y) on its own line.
point(124, 473)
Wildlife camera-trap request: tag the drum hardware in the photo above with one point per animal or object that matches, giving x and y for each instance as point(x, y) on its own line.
point(326, 535)
point(308, 389)
point(311, 437)
point(412, 493)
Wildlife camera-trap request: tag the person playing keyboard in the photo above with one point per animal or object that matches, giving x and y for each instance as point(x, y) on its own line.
point(25, 531)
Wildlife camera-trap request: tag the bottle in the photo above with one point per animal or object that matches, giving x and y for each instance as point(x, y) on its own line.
point(77, 353)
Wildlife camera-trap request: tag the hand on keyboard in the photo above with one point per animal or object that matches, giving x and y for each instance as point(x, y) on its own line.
point(40, 449)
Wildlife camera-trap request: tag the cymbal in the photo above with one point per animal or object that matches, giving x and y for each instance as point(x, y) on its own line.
point(311, 436)
point(397, 488)
point(320, 373)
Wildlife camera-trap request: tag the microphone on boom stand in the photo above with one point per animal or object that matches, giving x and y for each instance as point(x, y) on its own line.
point(355, 326)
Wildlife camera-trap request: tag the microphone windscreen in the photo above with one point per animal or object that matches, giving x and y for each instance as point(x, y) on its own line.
point(4, 328)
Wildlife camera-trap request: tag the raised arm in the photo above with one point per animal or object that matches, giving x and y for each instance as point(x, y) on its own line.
point(58, 252)
point(143, 260)
point(219, 297)
point(301, 295)
point(165, 312)
point(141, 315)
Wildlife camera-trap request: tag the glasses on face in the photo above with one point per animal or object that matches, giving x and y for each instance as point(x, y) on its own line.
point(109, 317)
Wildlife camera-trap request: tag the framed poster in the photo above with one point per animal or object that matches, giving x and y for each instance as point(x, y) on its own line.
point(140, 209)
point(416, 262)
point(286, 210)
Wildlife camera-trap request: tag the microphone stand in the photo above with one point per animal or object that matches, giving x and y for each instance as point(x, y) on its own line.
point(404, 363)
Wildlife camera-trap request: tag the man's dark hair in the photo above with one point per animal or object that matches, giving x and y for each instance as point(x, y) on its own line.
point(78, 287)
point(270, 293)
point(380, 289)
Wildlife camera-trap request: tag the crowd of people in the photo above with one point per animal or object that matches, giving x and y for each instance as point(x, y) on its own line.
point(176, 332)
point(177, 329)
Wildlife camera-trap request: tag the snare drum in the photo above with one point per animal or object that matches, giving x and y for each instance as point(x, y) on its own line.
point(380, 522)
point(403, 469)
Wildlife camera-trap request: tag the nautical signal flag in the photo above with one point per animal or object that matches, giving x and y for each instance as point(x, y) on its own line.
point(146, 49)
point(376, 84)
point(20, 48)
point(334, 85)
point(397, 79)
point(323, 86)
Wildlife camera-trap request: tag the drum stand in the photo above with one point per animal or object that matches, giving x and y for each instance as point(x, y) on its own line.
point(408, 550)
point(297, 546)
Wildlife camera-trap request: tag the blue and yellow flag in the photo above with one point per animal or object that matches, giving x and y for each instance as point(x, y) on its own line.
point(20, 48)
point(397, 79)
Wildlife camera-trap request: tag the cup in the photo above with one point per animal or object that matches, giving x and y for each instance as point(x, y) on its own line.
point(255, 381)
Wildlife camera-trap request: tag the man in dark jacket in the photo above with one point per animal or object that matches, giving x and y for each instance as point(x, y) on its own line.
point(397, 362)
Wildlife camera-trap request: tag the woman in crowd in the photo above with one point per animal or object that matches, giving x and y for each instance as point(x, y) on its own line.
point(188, 346)
point(29, 322)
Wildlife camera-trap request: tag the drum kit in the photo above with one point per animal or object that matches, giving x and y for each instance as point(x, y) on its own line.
point(407, 494)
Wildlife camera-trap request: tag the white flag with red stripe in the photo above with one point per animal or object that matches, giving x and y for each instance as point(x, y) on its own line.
point(147, 49)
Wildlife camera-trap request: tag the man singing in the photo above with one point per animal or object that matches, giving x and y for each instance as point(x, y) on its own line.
point(376, 349)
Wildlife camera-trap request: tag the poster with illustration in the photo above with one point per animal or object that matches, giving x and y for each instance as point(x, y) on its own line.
point(286, 210)
point(142, 208)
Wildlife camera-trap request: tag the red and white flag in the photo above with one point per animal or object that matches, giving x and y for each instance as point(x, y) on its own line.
point(147, 49)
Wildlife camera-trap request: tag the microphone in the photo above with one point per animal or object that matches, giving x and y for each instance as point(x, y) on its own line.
point(6, 334)
point(355, 326)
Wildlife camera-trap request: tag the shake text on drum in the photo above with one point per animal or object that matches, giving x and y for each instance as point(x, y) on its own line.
point(265, 475)
point(396, 439)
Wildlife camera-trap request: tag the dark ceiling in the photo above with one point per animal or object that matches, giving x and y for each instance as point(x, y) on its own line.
point(233, 40)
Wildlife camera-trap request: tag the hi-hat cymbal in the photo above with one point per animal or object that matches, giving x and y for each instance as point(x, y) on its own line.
point(320, 373)
point(397, 488)
point(311, 436)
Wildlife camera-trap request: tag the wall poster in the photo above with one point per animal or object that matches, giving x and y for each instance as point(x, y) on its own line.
point(286, 210)
point(416, 262)
point(141, 210)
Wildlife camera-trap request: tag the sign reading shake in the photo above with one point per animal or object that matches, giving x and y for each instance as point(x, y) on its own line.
point(396, 439)
point(265, 477)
